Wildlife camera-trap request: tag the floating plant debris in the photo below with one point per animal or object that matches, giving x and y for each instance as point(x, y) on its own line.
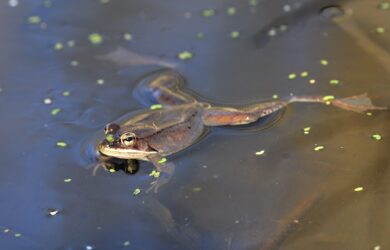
point(126, 243)
point(253, 2)
point(304, 74)
point(155, 174)
point(58, 46)
point(185, 55)
point(196, 189)
point(312, 81)
point(95, 38)
point(162, 161)
point(380, 30)
point(328, 98)
point(127, 36)
point(61, 144)
point(47, 101)
point(319, 148)
point(110, 138)
point(306, 130)
point(34, 20)
point(324, 62)
point(67, 180)
point(199, 35)
point(334, 82)
point(136, 191)
point(208, 12)
point(53, 212)
point(66, 93)
point(234, 34)
point(100, 81)
point(384, 6)
point(358, 189)
point(17, 234)
point(74, 63)
point(156, 106)
point(292, 76)
point(261, 152)
point(55, 111)
point(275, 96)
point(231, 11)
point(376, 137)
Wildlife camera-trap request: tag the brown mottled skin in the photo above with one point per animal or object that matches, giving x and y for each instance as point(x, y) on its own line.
point(154, 134)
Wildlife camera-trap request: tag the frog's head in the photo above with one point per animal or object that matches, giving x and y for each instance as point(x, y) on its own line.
point(123, 144)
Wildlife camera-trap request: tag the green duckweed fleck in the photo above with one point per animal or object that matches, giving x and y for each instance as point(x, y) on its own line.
point(208, 12)
point(328, 98)
point(61, 144)
point(185, 55)
point(384, 6)
point(231, 11)
point(110, 138)
point(127, 36)
point(234, 34)
point(95, 38)
point(58, 46)
point(155, 174)
point(318, 148)
point(334, 82)
point(380, 30)
point(162, 161)
point(324, 62)
point(34, 20)
point(156, 106)
point(376, 137)
point(304, 74)
point(199, 35)
point(136, 191)
point(253, 2)
point(55, 111)
point(292, 76)
point(261, 152)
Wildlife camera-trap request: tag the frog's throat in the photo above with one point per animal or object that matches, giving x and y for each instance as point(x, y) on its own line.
point(126, 153)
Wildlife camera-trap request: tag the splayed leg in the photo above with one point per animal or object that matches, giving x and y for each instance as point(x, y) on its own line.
point(220, 116)
point(358, 103)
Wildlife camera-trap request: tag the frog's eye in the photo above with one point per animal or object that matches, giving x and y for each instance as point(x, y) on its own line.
point(128, 139)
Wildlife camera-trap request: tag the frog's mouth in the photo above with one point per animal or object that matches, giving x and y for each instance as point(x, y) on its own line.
point(117, 151)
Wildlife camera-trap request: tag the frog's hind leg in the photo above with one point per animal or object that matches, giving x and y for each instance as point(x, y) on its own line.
point(219, 116)
point(162, 87)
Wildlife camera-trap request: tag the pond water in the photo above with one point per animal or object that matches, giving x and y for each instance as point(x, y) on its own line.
point(59, 86)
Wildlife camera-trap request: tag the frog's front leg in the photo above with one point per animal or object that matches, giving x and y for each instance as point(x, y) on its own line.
point(165, 170)
point(162, 87)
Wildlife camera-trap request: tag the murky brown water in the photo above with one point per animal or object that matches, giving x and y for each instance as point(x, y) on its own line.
point(222, 195)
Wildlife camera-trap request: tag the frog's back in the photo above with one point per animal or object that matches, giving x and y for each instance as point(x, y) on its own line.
point(179, 136)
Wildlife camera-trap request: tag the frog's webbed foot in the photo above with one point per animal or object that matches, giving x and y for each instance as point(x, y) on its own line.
point(163, 87)
point(165, 170)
